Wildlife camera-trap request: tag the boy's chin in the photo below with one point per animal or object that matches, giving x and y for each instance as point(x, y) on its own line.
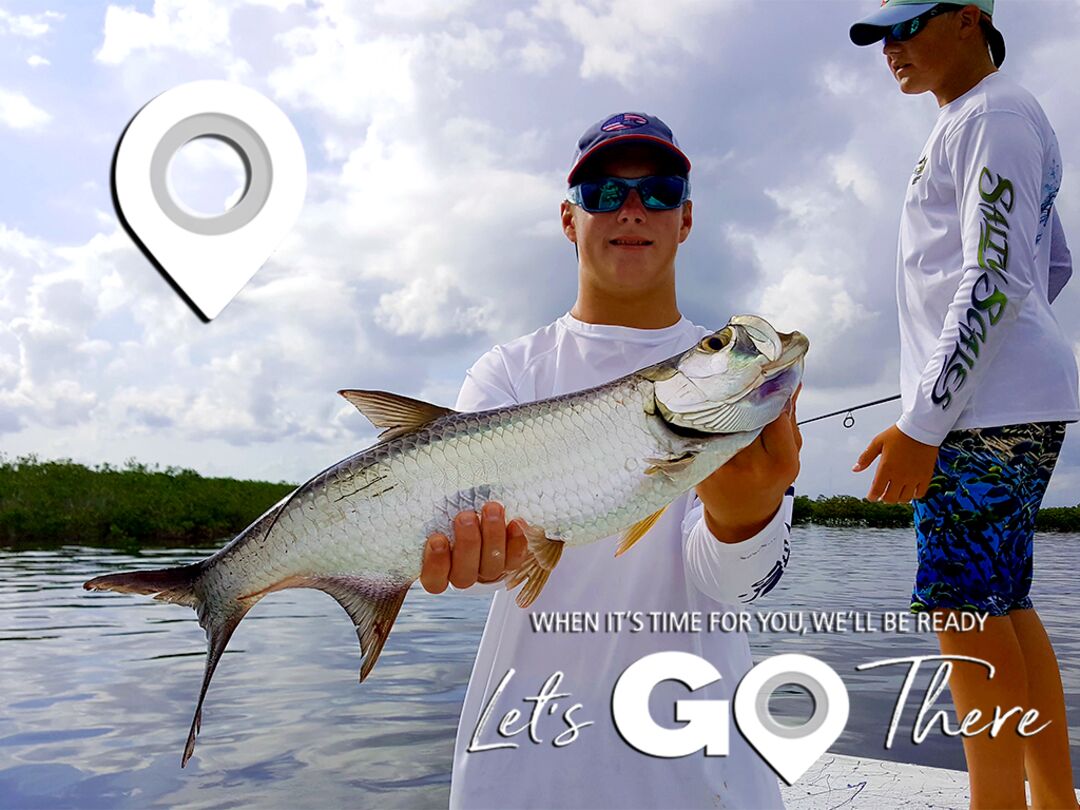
point(909, 88)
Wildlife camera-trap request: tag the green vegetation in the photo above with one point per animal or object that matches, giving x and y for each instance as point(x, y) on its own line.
point(54, 503)
point(1058, 519)
point(845, 510)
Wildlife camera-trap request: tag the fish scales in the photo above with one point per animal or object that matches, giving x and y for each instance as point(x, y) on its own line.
point(580, 490)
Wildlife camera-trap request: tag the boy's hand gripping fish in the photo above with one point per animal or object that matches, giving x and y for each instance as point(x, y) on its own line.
point(577, 468)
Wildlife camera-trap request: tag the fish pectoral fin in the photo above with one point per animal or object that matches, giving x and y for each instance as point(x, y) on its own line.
point(534, 572)
point(670, 466)
point(637, 531)
point(372, 608)
point(397, 414)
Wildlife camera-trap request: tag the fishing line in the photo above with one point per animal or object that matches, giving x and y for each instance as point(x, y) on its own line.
point(849, 420)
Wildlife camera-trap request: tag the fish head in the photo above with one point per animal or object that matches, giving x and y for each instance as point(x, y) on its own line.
point(737, 379)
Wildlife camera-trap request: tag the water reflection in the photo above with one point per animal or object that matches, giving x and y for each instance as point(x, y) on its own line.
point(98, 688)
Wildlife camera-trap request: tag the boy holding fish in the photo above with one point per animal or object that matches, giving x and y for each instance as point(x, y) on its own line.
point(627, 211)
point(987, 376)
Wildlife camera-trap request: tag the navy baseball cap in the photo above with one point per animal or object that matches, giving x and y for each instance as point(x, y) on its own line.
point(626, 128)
point(874, 28)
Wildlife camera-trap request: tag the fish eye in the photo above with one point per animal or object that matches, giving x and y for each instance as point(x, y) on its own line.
point(714, 343)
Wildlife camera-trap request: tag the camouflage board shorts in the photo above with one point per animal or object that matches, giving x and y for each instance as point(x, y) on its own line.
point(975, 525)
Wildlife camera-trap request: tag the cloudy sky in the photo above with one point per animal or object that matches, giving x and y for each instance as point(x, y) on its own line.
point(438, 135)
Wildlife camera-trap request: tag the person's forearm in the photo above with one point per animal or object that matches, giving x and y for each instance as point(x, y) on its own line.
point(727, 530)
point(737, 572)
point(986, 305)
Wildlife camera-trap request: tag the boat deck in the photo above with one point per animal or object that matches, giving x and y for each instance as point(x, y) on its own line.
point(838, 781)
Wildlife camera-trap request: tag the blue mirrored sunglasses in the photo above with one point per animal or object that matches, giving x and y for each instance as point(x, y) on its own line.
point(902, 32)
point(658, 193)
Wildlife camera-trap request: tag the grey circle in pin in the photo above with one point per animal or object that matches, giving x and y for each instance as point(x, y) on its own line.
point(252, 151)
point(817, 695)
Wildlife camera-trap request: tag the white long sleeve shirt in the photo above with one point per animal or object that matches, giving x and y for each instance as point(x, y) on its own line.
point(679, 567)
point(979, 240)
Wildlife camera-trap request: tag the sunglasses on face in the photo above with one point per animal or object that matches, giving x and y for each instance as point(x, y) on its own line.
point(902, 32)
point(658, 193)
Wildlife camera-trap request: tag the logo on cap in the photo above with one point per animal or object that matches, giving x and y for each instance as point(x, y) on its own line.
point(624, 121)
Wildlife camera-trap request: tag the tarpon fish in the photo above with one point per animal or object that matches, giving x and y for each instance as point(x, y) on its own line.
point(576, 468)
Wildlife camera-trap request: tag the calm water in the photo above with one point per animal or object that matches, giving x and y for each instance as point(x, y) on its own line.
point(98, 689)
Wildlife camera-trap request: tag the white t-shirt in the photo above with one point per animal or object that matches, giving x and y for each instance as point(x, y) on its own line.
point(679, 567)
point(979, 345)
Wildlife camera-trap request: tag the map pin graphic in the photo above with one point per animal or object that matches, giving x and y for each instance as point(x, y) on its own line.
point(789, 749)
point(209, 259)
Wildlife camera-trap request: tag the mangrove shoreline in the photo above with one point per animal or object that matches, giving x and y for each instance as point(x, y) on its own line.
point(47, 504)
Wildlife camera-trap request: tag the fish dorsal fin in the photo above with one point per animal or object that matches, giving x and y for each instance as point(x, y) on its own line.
point(637, 531)
point(397, 414)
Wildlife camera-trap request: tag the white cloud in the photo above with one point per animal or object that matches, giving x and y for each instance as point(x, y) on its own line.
point(37, 61)
point(468, 46)
point(518, 20)
point(18, 112)
point(335, 69)
point(99, 338)
point(538, 57)
point(853, 172)
point(30, 26)
point(44, 347)
point(432, 306)
point(58, 405)
point(9, 371)
point(422, 10)
point(438, 135)
point(839, 81)
point(197, 27)
point(14, 242)
point(815, 275)
point(276, 5)
point(802, 297)
point(622, 39)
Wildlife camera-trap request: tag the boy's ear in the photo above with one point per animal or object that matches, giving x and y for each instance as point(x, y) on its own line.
point(566, 214)
point(687, 220)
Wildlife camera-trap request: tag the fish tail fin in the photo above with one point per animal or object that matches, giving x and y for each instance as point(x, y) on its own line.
point(219, 629)
point(175, 585)
point(179, 585)
point(373, 606)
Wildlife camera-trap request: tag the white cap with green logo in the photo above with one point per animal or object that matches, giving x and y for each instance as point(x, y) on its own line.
point(895, 12)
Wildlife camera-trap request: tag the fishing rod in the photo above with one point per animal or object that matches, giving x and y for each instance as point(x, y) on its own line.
point(849, 420)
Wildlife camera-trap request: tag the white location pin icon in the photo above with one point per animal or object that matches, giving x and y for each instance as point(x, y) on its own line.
point(210, 258)
point(791, 750)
